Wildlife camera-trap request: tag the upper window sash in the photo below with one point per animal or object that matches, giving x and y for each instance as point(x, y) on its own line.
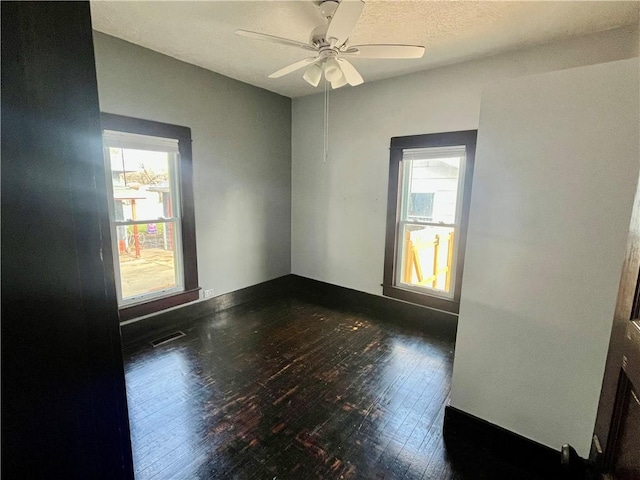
point(455, 154)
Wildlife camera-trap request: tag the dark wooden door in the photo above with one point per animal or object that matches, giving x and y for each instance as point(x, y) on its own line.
point(625, 451)
point(616, 443)
point(64, 406)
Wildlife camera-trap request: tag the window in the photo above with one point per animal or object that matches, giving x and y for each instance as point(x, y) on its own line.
point(148, 166)
point(428, 210)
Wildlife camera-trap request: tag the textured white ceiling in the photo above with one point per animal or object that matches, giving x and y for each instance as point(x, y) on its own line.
point(201, 32)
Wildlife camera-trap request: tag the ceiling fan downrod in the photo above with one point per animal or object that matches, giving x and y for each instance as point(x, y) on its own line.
point(328, 8)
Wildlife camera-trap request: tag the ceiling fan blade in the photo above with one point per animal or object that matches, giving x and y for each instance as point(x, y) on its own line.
point(293, 67)
point(350, 73)
point(384, 51)
point(273, 39)
point(344, 20)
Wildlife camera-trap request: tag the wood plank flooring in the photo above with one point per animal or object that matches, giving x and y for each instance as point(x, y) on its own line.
point(283, 389)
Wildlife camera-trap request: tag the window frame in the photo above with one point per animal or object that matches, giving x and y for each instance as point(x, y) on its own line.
point(390, 288)
point(191, 290)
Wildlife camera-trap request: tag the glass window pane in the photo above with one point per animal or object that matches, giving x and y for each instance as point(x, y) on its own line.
point(426, 256)
point(142, 184)
point(147, 258)
point(430, 184)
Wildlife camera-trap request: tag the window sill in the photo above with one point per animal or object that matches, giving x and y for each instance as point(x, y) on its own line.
point(156, 305)
point(423, 299)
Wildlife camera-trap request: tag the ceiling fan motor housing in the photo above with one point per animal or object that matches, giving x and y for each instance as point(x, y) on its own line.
point(319, 36)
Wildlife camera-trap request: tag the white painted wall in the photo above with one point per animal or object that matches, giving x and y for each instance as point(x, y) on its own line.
point(556, 170)
point(339, 207)
point(241, 156)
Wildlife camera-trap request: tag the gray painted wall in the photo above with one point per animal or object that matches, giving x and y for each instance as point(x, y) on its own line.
point(339, 207)
point(241, 156)
point(555, 176)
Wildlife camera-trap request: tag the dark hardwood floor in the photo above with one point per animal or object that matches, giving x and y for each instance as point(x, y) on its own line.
point(283, 389)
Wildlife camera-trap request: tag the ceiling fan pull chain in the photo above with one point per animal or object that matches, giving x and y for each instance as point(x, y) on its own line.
point(326, 121)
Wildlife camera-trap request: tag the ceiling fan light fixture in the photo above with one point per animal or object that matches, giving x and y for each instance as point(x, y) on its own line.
point(313, 74)
point(340, 82)
point(332, 71)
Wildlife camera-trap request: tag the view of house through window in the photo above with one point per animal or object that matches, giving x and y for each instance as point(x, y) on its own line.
point(431, 181)
point(145, 215)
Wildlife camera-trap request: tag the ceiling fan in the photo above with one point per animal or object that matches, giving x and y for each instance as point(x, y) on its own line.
point(329, 43)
